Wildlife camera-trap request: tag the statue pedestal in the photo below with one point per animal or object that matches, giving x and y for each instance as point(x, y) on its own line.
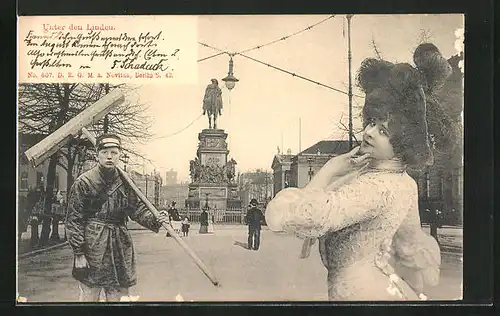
point(212, 174)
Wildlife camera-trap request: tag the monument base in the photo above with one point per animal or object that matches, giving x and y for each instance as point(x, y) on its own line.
point(212, 174)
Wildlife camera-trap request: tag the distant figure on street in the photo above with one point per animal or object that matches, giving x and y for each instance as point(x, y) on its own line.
point(25, 209)
point(98, 203)
point(185, 227)
point(36, 215)
point(204, 222)
point(173, 212)
point(254, 220)
point(174, 218)
point(58, 212)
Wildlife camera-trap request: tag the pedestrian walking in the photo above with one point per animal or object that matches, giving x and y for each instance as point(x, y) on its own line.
point(185, 227)
point(254, 221)
point(58, 209)
point(173, 212)
point(98, 203)
point(25, 211)
point(36, 215)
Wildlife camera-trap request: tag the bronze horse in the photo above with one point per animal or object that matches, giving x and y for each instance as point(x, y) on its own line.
point(212, 102)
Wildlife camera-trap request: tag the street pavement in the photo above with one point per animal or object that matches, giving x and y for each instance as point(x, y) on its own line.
point(166, 273)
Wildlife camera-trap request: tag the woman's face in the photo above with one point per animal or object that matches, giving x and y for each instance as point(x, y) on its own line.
point(376, 140)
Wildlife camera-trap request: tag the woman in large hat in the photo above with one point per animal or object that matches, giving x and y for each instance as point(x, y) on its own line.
point(363, 206)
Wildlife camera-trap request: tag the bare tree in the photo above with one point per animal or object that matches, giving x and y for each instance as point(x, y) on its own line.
point(375, 48)
point(425, 36)
point(357, 118)
point(43, 108)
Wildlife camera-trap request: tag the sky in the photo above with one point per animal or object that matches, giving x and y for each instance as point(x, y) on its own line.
point(262, 112)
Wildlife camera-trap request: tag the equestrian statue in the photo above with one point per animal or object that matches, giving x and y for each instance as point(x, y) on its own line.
point(212, 102)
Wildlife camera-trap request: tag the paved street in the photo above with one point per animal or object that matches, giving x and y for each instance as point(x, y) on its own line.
point(164, 270)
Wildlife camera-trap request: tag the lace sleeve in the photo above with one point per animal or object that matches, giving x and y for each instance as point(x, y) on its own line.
point(313, 212)
point(417, 256)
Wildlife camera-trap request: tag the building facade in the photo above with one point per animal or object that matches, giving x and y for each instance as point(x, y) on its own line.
point(281, 167)
point(258, 184)
point(177, 192)
point(171, 177)
point(297, 170)
point(148, 184)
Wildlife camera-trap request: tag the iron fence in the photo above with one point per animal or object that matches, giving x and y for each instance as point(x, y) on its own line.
point(226, 216)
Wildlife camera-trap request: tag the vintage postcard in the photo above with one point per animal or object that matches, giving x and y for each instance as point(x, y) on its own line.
point(240, 158)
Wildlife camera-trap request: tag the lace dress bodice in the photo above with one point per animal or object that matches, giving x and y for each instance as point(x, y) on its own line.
point(352, 222)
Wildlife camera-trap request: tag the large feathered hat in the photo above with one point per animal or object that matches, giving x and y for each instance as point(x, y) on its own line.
point(405, 95)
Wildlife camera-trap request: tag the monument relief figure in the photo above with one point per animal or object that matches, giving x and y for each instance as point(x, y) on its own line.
point(216, 172)
point(230, 170)
point(203, 173)
point(213, 161)
point(212, 102)
point(212, 142)
point(192, 192)
point(194, 169)
point(212, 174)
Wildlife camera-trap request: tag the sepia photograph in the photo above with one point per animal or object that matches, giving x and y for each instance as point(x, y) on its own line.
point(240, 158)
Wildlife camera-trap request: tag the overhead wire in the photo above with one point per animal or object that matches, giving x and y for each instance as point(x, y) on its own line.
point(297, 75)
point(181, 130)
point(282, 38)
point(287, 36)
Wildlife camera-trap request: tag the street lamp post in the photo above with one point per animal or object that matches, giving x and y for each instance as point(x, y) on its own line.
point(310, 172)
point(230, 80)
point(349, 56)
point(125, 158)
point(266, 186)
point(206, 201)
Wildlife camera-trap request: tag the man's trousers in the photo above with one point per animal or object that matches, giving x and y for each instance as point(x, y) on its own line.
point(253, 238)
point(91, 294)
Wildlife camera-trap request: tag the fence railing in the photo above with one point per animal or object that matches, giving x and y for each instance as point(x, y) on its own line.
point(227, 216)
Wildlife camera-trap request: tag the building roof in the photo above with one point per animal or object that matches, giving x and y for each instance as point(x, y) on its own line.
point(327, 147)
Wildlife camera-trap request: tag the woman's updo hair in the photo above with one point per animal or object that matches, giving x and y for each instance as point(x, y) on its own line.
point(400, 94)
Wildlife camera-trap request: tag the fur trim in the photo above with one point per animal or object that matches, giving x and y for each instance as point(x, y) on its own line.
point(404, 95)
point(433, 65)
point(373, 73)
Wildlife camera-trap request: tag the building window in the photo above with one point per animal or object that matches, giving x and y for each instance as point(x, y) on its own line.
point(56, 182)
point(440, 186)
point(287, 179)
point(460, 182)
point(24, 180)
point(39, 180)
point(426, 185)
